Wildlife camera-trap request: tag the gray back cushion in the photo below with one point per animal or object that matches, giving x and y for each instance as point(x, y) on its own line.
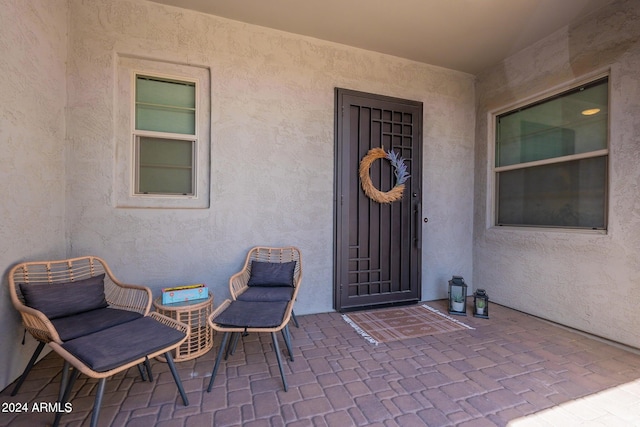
point(271, 273)
point(66, 299)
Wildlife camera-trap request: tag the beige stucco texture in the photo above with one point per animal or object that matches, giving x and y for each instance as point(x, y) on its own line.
point(269, 164)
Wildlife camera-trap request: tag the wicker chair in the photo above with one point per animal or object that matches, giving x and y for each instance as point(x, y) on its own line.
point(261, 297)
point(239, 282)
point(120, 324)
point(132, 298)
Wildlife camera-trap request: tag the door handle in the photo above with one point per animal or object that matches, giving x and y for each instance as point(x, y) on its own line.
point(417, 238)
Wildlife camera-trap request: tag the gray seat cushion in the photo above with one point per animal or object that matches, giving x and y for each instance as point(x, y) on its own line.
point(267, 294)
point(116, 346)
point(251, 314)
point(86, 323)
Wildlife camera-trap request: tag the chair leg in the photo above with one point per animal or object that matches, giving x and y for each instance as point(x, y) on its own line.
point(64, 379)
point(287, 341)
point(142, 371)
point(176, 377)
point(233, 344)
point(32, 361)
point(229, 344)
point(65, 389)
point(98, 402)
point(276, 348)
point(223, 344)
point(295, 319)
point(147, 365)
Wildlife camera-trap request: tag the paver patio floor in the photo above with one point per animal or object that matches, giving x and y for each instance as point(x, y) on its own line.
point(511, 370)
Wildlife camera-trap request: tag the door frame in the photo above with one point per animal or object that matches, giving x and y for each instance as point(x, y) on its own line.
point(340, 217)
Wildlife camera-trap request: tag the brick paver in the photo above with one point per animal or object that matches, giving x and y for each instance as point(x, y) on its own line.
point(512, 369)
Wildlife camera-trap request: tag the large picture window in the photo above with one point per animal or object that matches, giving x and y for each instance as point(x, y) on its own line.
point(551, 160)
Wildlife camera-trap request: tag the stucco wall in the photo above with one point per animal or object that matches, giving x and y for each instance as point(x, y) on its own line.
point(33, 50)
point(272, 149)
point(587, 280)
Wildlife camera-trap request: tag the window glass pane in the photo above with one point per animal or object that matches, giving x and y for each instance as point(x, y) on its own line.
point(165, 166)
point(165, 181)
point(568, 194)
point(161, 119)
point(164, 92)
point(165, 106)
point(556, 127)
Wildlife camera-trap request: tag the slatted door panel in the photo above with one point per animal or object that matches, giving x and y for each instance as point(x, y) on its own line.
point(377, 245)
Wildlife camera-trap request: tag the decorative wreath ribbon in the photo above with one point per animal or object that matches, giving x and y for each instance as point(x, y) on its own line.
point(399, 169)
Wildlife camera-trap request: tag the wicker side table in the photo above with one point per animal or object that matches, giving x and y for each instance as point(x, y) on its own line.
point(193, 313)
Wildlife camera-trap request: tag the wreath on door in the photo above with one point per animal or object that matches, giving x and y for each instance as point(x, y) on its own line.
point(399, 170)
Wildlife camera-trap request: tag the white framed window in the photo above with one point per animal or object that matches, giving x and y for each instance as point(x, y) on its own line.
point(165, 136)
point(550, 164)
point(162, 131)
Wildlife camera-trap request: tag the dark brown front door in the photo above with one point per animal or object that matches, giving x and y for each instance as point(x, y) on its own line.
point(377, 245)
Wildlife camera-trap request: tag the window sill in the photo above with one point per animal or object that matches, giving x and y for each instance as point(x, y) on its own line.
point(154, 201)
point(555, 230)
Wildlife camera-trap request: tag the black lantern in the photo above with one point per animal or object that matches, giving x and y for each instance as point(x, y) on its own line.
point(481, 304)
point(457, 296)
